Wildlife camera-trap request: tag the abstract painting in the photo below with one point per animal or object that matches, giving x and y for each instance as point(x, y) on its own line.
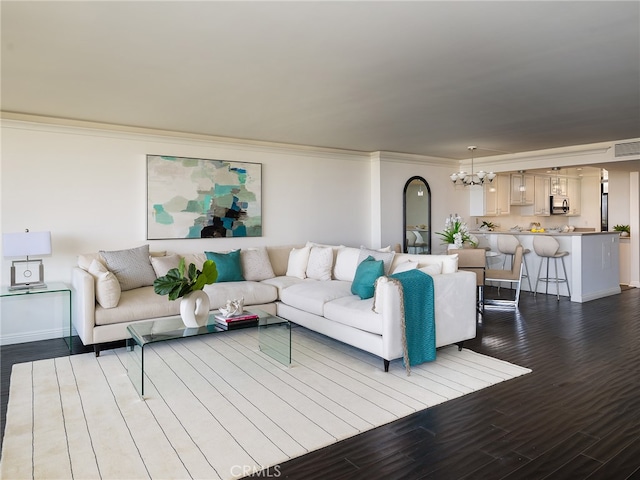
point(198, 198)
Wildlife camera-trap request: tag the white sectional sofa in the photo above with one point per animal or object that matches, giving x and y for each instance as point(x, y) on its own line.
point(309, 285)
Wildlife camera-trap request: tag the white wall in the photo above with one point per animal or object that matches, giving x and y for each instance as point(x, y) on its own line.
point(396, 169)
point(618, 204)
point(88, 187)
point(590, 203)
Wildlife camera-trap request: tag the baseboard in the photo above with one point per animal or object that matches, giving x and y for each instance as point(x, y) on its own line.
point(33, 336)
point(595, 295)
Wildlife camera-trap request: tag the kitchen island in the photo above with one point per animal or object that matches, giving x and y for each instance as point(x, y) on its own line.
point(593, 263)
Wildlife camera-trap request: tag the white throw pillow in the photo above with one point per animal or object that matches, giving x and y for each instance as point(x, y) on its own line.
point(298, 259)
point(346, 264)
point(386, 257)
point(320, 263)
point(161, 265)
point(435, 269)
point(256, 265)
point(85, 259)
point(405, 266)
point(450, 264)
point(107, 285)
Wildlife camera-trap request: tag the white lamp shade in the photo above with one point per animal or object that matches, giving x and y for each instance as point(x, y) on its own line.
point(26, 244)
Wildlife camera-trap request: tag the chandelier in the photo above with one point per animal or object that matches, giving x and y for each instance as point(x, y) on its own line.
point(478, 178)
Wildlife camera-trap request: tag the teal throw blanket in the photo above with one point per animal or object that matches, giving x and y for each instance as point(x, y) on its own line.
point(419, 323)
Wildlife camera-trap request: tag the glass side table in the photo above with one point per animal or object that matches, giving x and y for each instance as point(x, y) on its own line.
point(52, 287)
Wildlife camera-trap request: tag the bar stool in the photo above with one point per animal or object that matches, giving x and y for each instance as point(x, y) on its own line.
point(548, 247)
point(507, 245)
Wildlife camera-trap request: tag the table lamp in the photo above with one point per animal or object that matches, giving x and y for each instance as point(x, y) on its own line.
point(25, 245)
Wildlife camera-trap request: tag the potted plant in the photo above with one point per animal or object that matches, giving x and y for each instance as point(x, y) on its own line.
point(624, 230)
point(456, 233)
point(487, 226)
point(187, 283)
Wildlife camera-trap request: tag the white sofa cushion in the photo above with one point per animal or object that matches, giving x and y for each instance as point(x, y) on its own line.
point(352, 311)
point(85, 259)
point(449, 263)
point(386, 257)
point(311, 295)
point(405, 267)
point(435, 269)
point(143, 303)
point(161, 265)
point(137, 304)
point(280, 283)
point(298, 260)
point(254, 293)
point(197, 259)
point(320, 263)
point(346, 264)
point(107, 286)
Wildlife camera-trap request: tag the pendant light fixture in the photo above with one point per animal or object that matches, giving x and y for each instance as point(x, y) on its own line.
point(478, 178)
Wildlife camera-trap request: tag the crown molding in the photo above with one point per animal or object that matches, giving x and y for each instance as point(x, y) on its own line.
point(80, 127)
point(405, 158)
point(556, 157)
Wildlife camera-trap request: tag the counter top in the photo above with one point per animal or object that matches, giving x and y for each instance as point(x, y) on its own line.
point(546, 232)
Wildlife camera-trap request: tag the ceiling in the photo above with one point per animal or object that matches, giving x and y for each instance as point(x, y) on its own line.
point(417, 77)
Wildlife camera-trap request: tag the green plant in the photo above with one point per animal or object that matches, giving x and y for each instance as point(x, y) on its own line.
point(622, 228)
point(489, 225)
point(180, 281)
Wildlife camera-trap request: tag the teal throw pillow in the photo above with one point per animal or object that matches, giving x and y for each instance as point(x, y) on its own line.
point(228, 265)
point(367, 273)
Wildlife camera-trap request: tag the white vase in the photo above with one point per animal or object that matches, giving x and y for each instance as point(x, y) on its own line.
point(452, 246)
point(194, 309)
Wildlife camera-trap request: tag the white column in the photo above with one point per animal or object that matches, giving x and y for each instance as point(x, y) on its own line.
point(634, 223)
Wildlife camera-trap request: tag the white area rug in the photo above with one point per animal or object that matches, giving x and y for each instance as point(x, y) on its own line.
point(216, 406)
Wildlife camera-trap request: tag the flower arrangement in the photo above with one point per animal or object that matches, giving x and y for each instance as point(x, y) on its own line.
point(456, 232)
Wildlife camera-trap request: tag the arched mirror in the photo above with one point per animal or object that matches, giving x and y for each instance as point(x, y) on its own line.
point(417, 216)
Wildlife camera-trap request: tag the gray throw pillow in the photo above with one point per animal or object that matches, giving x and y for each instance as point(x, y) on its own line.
point(131, 267)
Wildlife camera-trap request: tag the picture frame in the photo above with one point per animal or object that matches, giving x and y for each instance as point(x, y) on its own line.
point(202, 198)
point(26, 274)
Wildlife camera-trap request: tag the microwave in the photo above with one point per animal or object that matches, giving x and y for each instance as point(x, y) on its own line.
point(559, 204)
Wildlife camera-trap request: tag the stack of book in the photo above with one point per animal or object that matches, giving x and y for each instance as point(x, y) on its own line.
point(237, 321)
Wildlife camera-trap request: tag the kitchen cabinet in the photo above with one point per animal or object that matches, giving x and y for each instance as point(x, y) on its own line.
point(559, 185)
point(491, 199)
point(522, 189)
point(541, 205)
point(574, 192)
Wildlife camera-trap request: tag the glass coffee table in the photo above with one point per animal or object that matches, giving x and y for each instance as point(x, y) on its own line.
point(274, 339)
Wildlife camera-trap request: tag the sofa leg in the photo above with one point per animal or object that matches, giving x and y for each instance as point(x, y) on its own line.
point(386, 365)
point(460, 345)
point(96, 349)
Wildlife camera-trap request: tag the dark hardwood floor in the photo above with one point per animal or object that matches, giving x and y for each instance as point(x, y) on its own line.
point(576, 416)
